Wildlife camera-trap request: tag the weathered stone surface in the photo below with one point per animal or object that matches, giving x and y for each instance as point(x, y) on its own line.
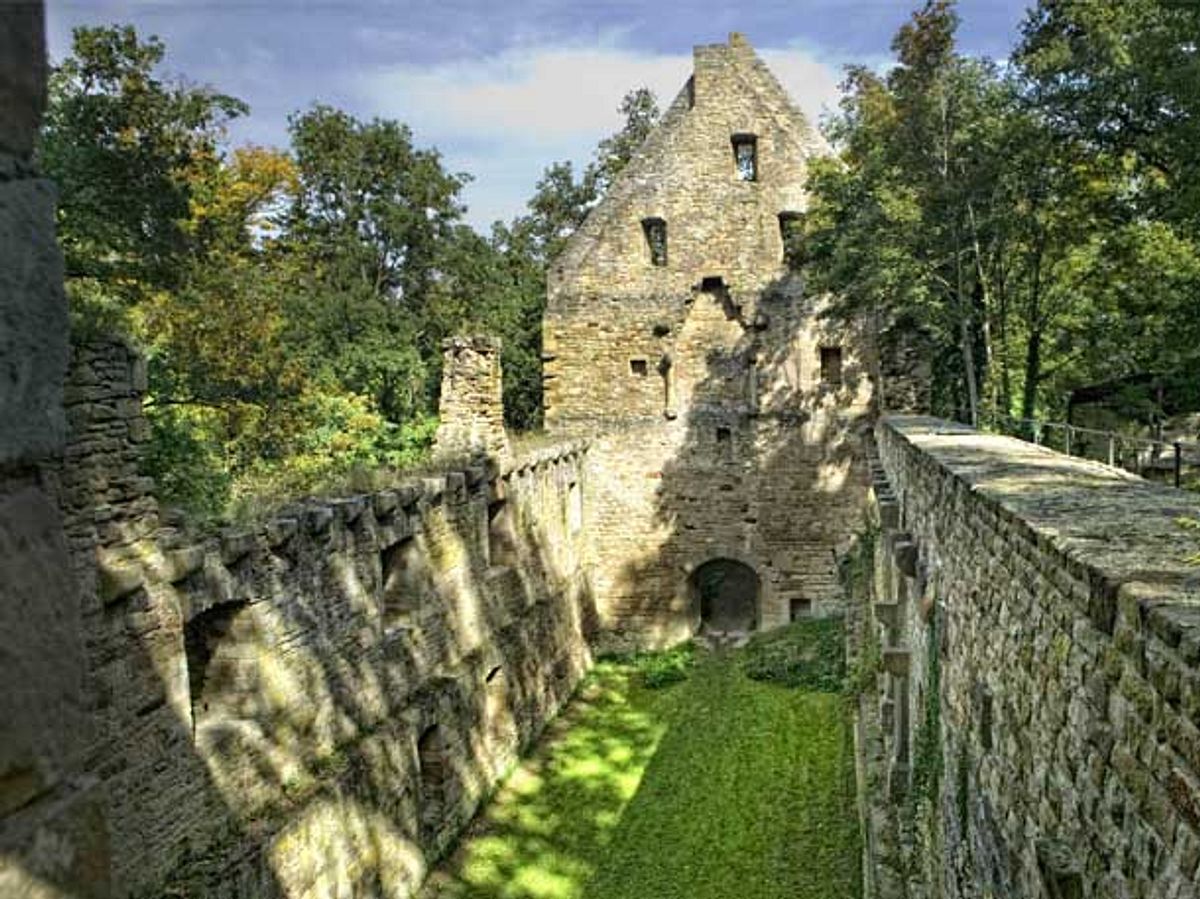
point(1059, 652)
point(23, 73)
point(715, 431)
point(41, 652)
point(265, 690)
point(471, 410)
point(33, 318)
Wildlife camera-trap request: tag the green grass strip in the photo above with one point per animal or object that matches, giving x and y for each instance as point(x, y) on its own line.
point(713, 788)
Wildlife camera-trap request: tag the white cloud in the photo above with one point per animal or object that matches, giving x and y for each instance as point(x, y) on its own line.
point(505, 118)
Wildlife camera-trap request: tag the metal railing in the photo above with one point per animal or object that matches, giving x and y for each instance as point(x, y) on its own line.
point(1169, 461)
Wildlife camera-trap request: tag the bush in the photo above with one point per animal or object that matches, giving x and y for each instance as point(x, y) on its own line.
point(809, 654)
point(660, 669)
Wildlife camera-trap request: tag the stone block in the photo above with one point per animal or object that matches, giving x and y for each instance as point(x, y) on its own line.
point(236, 545)
point(33, 309)
point(896, 660)
point(41, 650)
point(23, 73)
point(279, 531)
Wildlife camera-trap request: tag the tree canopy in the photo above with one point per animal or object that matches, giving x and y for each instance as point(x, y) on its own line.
point(291, 301)
point(1038, 220)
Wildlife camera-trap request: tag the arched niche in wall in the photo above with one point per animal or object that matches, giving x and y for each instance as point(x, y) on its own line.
point(406, 582)
point(433, 762)
point(725, 596)
point(220, 647)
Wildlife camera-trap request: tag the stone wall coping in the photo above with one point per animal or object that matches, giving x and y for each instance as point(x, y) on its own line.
point(1116, 531)
point(171, 554)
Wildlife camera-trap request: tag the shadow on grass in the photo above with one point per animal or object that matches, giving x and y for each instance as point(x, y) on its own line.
point(713, 788)
point(547, 830)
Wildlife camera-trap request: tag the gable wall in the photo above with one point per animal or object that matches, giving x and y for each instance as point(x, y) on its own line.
point(650, 365)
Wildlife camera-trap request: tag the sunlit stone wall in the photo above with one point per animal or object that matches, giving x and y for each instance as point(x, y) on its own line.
point(725, 409)
point(1040, 627)
point(315, 702)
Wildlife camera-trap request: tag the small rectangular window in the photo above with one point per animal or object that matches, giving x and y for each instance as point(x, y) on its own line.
point(639, 367)
point(831, 365)
point(656, 240)
point(724, 435)
point(745, 156)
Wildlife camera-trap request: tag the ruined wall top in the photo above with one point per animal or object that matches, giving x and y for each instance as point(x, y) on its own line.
point(727, 161)
point(471, 410)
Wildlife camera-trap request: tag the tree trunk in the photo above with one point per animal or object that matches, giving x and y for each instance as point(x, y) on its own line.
point(1033, 373)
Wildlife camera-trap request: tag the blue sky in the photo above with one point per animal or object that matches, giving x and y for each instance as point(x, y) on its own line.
point(502, 89)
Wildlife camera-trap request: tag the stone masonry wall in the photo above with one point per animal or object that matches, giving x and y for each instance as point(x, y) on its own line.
point(52, 835)
point(324, 697)
point(1041, 701)
point(717, 430)
point(471, 408)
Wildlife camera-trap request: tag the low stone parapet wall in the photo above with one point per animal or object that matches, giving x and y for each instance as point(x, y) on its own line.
point(323, 696)
point(1040, 701)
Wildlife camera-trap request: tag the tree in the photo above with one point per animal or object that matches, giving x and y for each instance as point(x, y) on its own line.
point(126, 148)
point(367, 225)
point(905, 226)
point(1120, 76)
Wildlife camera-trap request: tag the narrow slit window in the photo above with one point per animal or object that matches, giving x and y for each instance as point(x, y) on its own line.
point(831, 365)
point(745, 156)
point(655, 230)
point(791, 232)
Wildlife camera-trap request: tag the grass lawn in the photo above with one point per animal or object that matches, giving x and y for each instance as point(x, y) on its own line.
point(718, 787)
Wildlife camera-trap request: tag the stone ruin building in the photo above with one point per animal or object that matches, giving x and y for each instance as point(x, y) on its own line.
point(315, 704)
point(724, 410)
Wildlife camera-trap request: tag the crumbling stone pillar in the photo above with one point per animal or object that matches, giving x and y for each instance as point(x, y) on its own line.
point(52, 836)
point(471, 413)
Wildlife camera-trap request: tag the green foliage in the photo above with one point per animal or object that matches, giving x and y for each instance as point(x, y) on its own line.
point(809, 654)
point(185, 459)
point(862, 678)
point(719, 787)
point(291, 303)
point(124, 148)
point(1039, 222)
point(659, 669)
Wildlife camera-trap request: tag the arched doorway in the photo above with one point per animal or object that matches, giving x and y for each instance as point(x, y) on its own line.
point(725, 596)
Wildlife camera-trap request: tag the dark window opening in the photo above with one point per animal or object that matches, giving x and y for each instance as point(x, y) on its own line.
point(434, 764)
point(800, 608)
point(218, 675)
point(655, 230)
point(690, 87)
point(639, 367)
point(724, 435)
point(831, 365)
point(502, 534)
point(405, 579)
point(725, 596)
point(791, 231)
point(745, 156)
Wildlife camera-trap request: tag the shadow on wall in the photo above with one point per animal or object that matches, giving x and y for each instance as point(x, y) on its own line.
point(319, 703)
point(755, 464)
